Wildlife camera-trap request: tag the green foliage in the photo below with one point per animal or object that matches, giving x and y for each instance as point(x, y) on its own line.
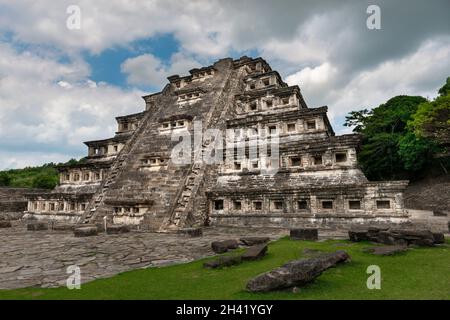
point(357, 119)
point(432, 120)
point(420, 273)
point(382, 154)
point(45, 181)
point(415, 152)
point(45, 176)
point(445, 90)
point(392, 116)
point(5, 179)
point(24, 178)
point(379, 157)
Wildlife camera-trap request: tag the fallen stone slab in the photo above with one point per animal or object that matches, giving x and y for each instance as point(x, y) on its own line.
point(85, 231)
point(296, 273)
point(37, 226)
point(5, 224)
point(304, 234)
point(341, 244)
point(251, 241)
point(224, 246)
point(386, 250)
point(312, 253)
point(255, 252)
point(117, 229)
point(223, 261)
point(192, 232)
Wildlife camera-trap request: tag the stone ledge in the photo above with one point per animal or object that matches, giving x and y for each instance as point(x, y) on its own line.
point(303, 215)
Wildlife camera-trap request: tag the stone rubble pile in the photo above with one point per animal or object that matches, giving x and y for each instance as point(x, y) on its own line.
point(397, 236)
point(257, 248)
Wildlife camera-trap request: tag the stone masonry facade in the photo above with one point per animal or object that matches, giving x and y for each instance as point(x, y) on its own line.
point(281, 166)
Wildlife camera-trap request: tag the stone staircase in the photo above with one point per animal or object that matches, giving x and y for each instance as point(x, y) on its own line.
point(118, 164)
point(182, 212)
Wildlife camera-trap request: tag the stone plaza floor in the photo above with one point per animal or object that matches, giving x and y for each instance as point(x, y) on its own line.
point(41, 258)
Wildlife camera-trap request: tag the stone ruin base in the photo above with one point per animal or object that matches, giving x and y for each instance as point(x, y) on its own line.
point(322, 221)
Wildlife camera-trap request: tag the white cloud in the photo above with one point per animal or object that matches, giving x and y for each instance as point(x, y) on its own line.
point(411, 75)
point(419, 73)
point(146, 69)
point(310, 78)
point(142, 70)
point(49, 108)
point(12, 160)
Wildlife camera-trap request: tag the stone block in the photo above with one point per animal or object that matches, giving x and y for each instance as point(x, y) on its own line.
point(304, 234)
point(85, 231)
point(386, 250)
point(192, 232)
point(255, 252)
point(251, 241)
point(224, 246)
point(63, 227)
point(117, 228)
point(5, 224)
point(37, 226)
point(438, 237)
point(100, 226)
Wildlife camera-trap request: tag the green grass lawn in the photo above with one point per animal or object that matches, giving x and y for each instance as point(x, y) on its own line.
point(420, 273)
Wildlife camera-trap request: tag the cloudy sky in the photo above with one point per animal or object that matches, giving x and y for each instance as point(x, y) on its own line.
point(60, 86)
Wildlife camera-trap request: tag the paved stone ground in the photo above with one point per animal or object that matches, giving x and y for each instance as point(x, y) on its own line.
point(41, 258)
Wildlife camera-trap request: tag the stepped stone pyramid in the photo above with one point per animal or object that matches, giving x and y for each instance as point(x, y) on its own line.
point(278, 162)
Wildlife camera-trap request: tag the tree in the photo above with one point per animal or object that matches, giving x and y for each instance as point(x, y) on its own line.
point(357, 119)
point(379, 158)
point(5, 179)
point(432, 121)
point(384, 144)
point(445, 90)
point(44, 182)
point(415, 152)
